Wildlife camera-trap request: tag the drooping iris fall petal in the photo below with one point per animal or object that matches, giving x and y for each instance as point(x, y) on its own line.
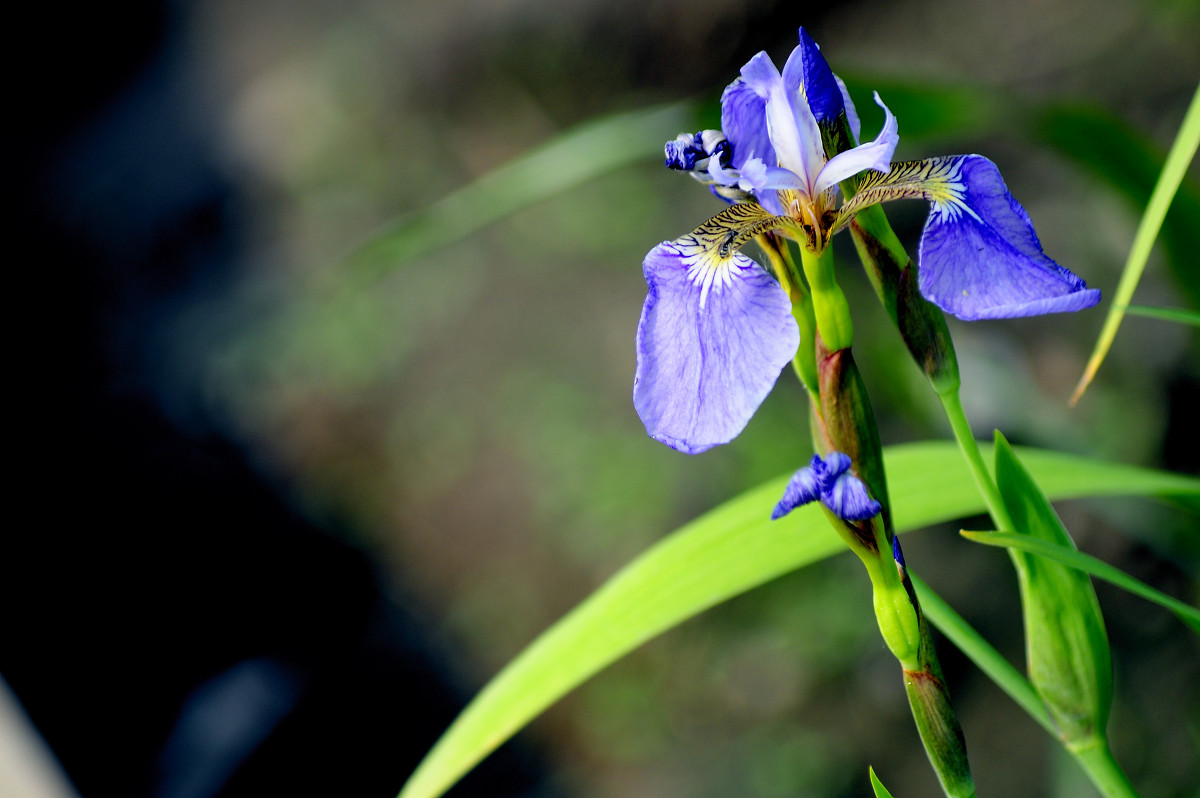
point(979, 256)
point(713, 337)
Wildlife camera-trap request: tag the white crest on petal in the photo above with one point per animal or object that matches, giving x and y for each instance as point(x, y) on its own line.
point(707, 270)
point(948, 191)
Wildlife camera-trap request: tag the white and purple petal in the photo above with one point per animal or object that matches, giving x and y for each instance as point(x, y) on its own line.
point(875, 155)
point(790, 124)
point(805, 486)
point(980, 258)
point(760, 177)
point(713, 337)
point(851, 114)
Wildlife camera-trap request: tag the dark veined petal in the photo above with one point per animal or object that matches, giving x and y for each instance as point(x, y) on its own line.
point(849, 500)
point(820, 86)
point(979, 255)
point(744, 121)
point(682, 153)
point(714, 335)
point(805, 486)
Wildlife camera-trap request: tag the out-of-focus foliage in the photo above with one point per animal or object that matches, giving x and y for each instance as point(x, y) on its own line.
point(725, 552)
point(468, 413)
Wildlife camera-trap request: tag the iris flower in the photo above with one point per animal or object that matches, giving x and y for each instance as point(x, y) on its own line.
point(716, 328)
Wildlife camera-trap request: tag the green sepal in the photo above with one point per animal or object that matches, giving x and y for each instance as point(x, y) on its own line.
point(923, 328)
point(1067, 650)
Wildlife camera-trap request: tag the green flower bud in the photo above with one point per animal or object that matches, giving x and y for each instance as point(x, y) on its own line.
point(929, 699)
point(1066, 645)
point(939, 728)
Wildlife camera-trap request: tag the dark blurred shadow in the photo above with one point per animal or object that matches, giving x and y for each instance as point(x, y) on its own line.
point(171, 625)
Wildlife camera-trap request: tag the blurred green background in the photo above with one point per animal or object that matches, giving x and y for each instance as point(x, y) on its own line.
point(454, 393)
point(466, 411)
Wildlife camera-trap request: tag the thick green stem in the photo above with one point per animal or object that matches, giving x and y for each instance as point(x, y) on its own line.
point(829, 303)
point(979, 470)
point(1098, 762)
point(788, 273)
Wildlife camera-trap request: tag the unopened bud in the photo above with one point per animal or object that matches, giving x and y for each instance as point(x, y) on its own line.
point(1070, 665)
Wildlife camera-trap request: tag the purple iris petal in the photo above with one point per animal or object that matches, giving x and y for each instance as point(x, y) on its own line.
point(713, 337)
point(980, 257)
point(744, 121)
point(681, 153)
point(851, 114)
point(820, 86)
point(830, 481)
point(804, 487)
point(790, 123)
point(759, 176)
point(849, 499)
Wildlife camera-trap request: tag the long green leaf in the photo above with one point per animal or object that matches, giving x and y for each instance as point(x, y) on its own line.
point(1182, 151)
point(728, 551)
point(1097, 568)
point(1178, 315)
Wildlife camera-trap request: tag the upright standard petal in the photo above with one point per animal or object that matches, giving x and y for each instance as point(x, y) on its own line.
point(851, 114)
point(979, 256)
point(790, 124)
point(713, 337)
point(820, 86)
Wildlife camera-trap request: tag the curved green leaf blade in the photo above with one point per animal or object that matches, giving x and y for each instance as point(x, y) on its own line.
point(877, 785)
point(1088, 564)
point(1177, 315)
point(1182, 151)
point(725, 552)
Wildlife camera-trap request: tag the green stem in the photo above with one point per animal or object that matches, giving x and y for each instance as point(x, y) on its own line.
point(1097, 761)
point(979, 470)
point(804, 363)
point(830, 307)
